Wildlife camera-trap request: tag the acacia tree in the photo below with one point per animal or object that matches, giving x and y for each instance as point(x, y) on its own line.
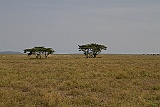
point(38, 51)
point(91, 50)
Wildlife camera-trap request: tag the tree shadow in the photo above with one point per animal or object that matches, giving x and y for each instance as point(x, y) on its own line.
point(98, 57)
point(90, 58)
point(36, 58)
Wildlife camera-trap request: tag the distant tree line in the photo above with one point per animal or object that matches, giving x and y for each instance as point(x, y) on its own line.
point(10, 52)
point(90, 50)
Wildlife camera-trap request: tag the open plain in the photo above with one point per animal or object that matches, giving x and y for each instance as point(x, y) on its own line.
point(75, 81)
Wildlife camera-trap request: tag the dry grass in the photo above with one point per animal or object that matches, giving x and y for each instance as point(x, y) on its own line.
point(74, 81)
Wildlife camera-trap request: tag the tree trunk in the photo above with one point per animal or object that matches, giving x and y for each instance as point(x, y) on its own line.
point(94, 55)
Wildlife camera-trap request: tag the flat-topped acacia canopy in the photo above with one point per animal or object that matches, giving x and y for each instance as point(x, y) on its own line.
point(38, 51)
point(91, 50)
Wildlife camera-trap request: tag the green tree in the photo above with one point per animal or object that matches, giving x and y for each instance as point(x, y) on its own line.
point(91, 50)
point(38, 51)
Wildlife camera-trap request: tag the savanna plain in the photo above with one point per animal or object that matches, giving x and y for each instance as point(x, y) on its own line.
point(75, 81)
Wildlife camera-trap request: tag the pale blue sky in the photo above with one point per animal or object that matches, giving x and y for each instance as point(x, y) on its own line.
point(124, 26)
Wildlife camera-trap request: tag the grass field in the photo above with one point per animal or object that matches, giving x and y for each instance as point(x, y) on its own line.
point(74, 81)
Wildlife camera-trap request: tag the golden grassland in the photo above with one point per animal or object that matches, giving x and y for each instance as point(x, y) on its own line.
point(74, 81)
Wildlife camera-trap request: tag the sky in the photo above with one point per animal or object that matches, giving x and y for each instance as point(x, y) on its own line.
point(124, 26)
